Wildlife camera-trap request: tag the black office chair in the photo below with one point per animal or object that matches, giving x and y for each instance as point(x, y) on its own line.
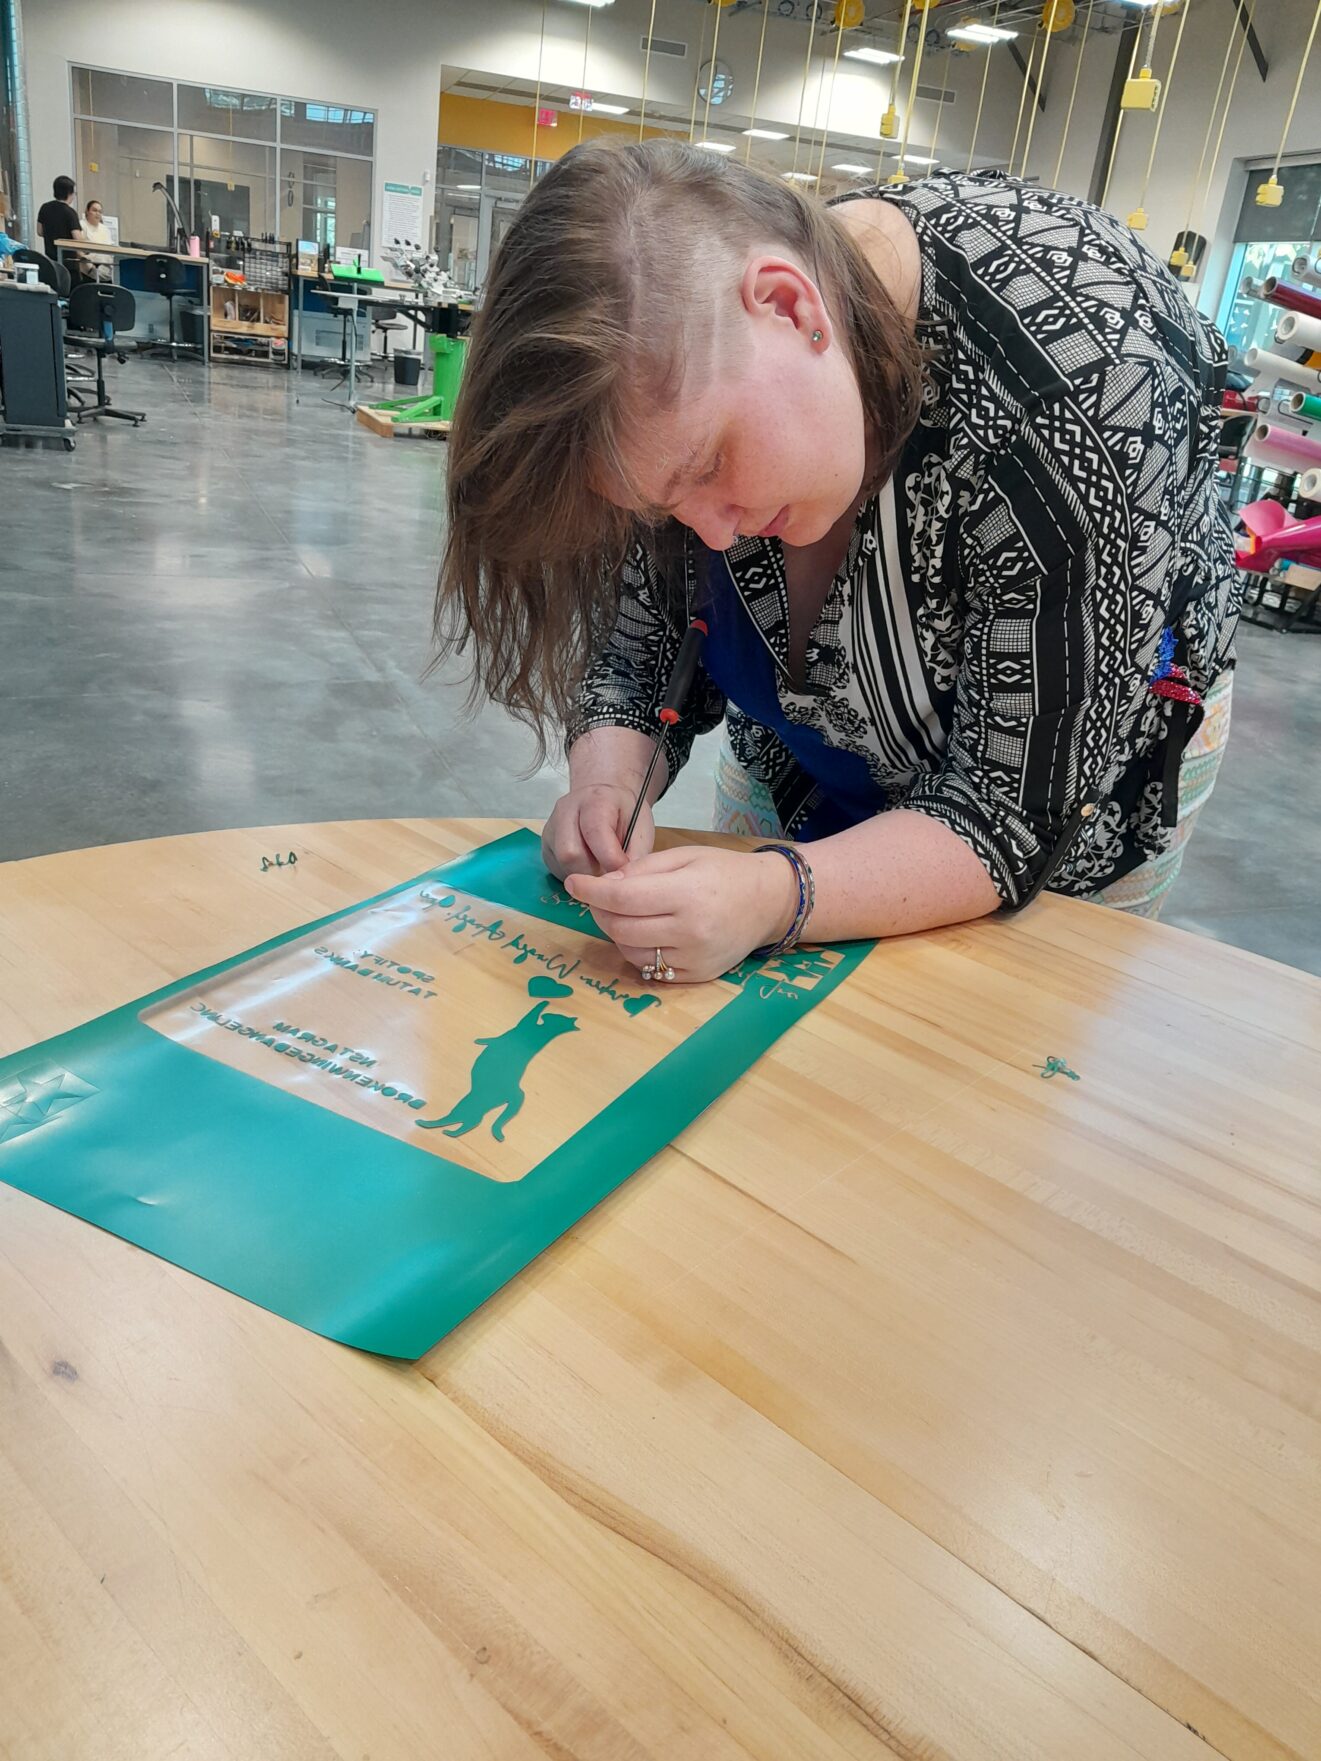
point(97, 311)
point(386, 322)
point(50, 273)
point(169, 278)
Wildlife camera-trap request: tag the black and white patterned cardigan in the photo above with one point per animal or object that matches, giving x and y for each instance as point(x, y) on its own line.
point(988, 643)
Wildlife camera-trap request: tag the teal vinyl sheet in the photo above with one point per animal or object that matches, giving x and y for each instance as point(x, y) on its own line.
point(340, 1228)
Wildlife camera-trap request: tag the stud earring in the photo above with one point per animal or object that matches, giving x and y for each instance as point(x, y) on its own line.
point(816, 336)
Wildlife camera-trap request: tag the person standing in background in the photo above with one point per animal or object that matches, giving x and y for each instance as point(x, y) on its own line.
point(57, 220)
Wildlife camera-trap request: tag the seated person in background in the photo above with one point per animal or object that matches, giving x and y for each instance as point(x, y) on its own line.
point(97, 266)
point(57, 220)
point(8, 245)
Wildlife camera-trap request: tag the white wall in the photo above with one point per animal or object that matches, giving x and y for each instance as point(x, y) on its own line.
point(389, 59)
point(1256, 117)
point(504, 37)
point(1092, 83)
point(335, 51)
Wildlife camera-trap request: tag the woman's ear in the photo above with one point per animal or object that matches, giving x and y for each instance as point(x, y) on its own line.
point(775, 289)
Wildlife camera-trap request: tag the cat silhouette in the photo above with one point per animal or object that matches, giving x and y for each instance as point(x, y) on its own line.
point(498, 1072)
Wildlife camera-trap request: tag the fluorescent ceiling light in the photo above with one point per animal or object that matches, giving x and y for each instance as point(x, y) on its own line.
point(593, 2)
point(715, 146)
point(980, 33)
point(856, 170)
point(882, 57)
point(765, 134)
point(464, 188)
point(801, 176)
point(600, 109)
point(918, 159)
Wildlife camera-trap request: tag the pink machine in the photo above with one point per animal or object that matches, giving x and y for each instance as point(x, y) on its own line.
point(1275, 536)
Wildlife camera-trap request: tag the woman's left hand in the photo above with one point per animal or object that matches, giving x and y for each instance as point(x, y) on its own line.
point(705, 909)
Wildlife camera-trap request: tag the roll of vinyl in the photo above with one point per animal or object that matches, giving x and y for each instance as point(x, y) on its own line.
point(1309, 485)
point(1307, 272)
point(1299, 330)
point(1291, 296)
point(1282, 449)
point(1304, 406)
point(1268, 370)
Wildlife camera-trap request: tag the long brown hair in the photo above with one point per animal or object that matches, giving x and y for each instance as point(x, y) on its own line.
point(601, 285)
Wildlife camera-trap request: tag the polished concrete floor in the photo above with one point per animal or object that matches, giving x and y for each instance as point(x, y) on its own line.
point(222, 617)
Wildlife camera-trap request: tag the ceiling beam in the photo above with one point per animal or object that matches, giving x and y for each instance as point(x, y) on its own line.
point(1032, 85)
point(1254, 41)
point(1113, 106)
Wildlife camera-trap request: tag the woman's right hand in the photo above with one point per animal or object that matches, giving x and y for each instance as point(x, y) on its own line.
point(585, 832)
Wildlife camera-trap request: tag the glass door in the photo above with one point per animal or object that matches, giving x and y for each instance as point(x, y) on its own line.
point(494, 218)
point(459, 249)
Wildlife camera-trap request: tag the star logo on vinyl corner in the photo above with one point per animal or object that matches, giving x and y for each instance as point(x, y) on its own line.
point(32, 1100)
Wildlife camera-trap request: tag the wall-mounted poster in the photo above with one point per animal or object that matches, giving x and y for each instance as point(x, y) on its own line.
point(401, 215)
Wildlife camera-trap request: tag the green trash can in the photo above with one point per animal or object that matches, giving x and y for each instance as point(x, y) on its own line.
point(448, 354)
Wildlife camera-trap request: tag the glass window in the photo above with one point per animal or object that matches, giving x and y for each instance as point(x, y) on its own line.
point(459, 171)
point(505, 175)
point(218, 110)
point(234, 180)
point(331, 127)
point(325, 197)
point(117, 165)
point(1299, 212)
point(1250, 323)
point(126, 97)
point(477, 197)
point(257, 162)
point(455, 162)
point(460, 168)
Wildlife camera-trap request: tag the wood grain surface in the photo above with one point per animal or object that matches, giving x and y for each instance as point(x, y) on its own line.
point(909, 1405)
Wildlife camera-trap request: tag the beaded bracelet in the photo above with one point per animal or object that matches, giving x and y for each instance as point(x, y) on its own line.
point(806, 898)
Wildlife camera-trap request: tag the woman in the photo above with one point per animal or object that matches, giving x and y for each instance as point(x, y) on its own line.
point(7, 245)
point(96, 265)
point(935, 465)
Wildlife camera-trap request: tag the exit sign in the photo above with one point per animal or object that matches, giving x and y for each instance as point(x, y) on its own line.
point(581, 100)
point(548, 119)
